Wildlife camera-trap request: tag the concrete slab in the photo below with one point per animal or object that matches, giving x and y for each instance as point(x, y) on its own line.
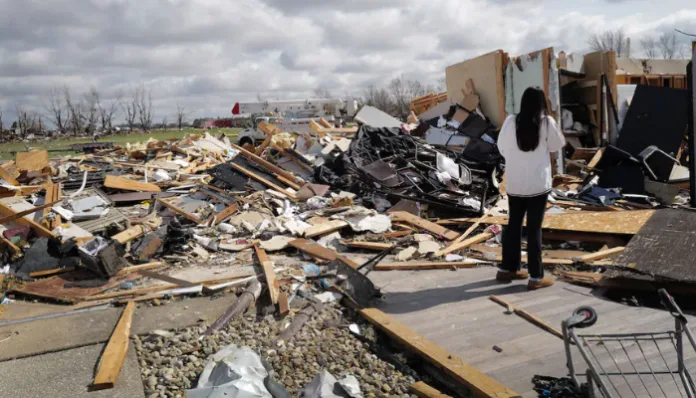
point(67, 374)
point(50, 335)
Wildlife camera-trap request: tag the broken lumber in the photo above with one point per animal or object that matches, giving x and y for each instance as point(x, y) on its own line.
point(243, 302)
point(39, 229)
point(423, 390)
point(587, 258)
point(396, 234)
point(129, 234)
point(166, 278)
point(367, 245)
point(429, 226)
point(5, 175)
point(221, 216)
point(115, 352)
point(277, 170)
point(318, 251)
point(449, 364)
point(269, 273)
point(601, 222)
point(324, 228)
point(528, 316)
point(179, 211)
point(582, 278)
point(126, 184)
point(464, 244)
point(32, 161)
point(141, 267)
point(427, 265)
point(324, 123)
point(283, 304)
point(50, 272)
point(297, 322)
point(263, 181)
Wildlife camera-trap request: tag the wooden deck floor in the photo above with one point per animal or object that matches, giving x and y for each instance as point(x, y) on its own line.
point(452, 309)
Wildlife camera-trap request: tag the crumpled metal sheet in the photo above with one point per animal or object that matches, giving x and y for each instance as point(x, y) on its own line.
point(232, 372)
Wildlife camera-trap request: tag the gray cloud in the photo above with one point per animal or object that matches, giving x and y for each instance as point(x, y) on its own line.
point(208, 55)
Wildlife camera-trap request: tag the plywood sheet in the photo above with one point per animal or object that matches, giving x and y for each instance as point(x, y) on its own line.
point(486, 72)
point(527, 71)
point(600, 222)
point(32, 161)
point(127, 184)
point(72, 286)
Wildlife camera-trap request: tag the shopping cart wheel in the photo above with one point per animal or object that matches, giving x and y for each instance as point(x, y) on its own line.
point(588, 314)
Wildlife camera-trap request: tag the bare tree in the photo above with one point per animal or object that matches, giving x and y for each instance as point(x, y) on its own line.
point(107, 112)
point(25, 120)
point(164, 123)
point(379, 98)
point(649, 47)
point(403, 91)
point(91, 110)
point(143, 101)
point(668, 46)
point(75, 109)
point(130, 111)
point(181, 115)
point(2, 130)
point(322, 92)
point(58, 112)
point(609, 41)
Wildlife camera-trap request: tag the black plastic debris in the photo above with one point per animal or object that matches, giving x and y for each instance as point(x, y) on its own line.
point(554, 387)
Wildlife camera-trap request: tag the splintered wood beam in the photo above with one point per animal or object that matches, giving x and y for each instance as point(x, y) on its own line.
point(266, 164)
point(141, 267)
point(599, 255)
point(318, 251)
point(126, 184)
point(20, 214)
point(324, 228)
point(528, 316)
point(115, 352)
point(39, 229)
point(167, 278)
point(221, 216)
point(283, 305)
point(324, 123)
point(5, 175)
point(422, 390)
point(269, 272)
point(449, 364)
point(427, 265)
point(129, 234)
point(179, 211)
point(464, 244)
point(263, 181)
point(368, 245)
point(425, 224)
point(50, 272)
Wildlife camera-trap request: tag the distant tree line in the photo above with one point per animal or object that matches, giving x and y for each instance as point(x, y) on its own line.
point(663, 46)
point(396, 96)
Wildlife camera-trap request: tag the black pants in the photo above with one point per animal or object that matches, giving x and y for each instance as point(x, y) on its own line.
point(534, 207)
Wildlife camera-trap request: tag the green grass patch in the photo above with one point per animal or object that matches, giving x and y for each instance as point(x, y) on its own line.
point(121, 139)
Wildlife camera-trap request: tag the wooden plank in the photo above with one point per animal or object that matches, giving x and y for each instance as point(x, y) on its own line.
point(452, 366)
point(600, 254)
point(529, 317)
point(5, 175)
point(129, 234)
point(324, 228)
point(179, 211)
point(263, 181)
point(313, 249)
point(221, 216)
point(324, 123)
point(269, 273)
point(288, 183)
point(126, 184)
point(263, 162)
point(482, 237)
point(31, 161)
point(583, 278)
point(423, 390)
point(368, 245)
point(618, 222)
point(39, 229)
point(596, 158)
point(167, 278)
point(396, 234)
point(425, 224)
point(50, 272)
point(15, 250)
point(20, 214)
point(427, 265)
point(141, 267)
point(115, 352)
point(283, 305)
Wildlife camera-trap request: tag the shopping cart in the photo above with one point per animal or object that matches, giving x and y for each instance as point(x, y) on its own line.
point(632, 364)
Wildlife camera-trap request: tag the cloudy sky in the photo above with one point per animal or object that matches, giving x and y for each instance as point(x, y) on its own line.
point(208, 54)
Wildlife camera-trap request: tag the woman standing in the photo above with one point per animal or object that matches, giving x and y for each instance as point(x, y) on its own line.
point(525, 141)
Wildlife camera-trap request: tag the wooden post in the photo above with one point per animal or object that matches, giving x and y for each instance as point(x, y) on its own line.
point(115, 352)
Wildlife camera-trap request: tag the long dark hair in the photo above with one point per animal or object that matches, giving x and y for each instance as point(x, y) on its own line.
point(533, 111)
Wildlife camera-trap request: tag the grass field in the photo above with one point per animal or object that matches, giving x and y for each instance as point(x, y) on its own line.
point(7, 148)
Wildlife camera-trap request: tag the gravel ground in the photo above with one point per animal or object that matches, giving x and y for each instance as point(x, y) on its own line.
point(172, 363)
